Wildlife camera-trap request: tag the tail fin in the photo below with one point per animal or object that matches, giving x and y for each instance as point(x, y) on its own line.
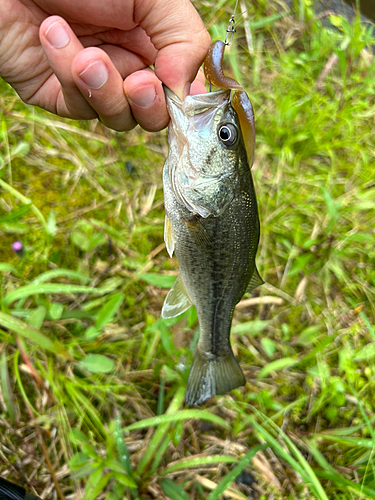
point(209, 377)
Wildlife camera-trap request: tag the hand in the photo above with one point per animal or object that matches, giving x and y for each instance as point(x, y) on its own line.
point(87, 59)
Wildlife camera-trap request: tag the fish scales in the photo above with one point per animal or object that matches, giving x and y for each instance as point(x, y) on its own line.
point(212, 225)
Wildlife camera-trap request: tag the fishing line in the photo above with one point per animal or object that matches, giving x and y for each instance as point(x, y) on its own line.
point(230, 28)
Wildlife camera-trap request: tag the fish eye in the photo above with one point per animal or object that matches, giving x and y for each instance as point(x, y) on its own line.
point(227, 134)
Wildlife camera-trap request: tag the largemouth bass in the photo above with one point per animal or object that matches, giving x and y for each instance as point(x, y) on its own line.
point(212, 221)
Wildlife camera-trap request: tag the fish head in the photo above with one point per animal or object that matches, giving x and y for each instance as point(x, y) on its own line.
point(204, 147)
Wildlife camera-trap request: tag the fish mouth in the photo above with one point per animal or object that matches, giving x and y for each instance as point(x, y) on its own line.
point(198, 103)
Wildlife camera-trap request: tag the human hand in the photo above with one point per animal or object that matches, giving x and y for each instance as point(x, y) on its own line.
point(98, 65)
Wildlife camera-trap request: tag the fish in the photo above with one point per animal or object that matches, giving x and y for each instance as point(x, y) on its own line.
point(211, 223)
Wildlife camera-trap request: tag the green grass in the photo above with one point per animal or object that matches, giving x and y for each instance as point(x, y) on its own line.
point(92, 380)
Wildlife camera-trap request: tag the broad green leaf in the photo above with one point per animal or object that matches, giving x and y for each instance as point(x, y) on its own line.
point(250, 327)
point(51, 223)
point(279, 364)
point(125, 479)
point(173, 490)
point(97, 363)
point(108, 311)
point(91, 333)
point(77, 461)
point(115, 465)
point(161, 280)
point(80, 240)
point(77, 436)
point(96, 484)
point(367, 352)
point(308, 335)
point(269, 346)
point(37, 316)
point(56, 310)
point(28, 332)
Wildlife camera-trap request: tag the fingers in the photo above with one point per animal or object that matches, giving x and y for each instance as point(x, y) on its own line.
point(178, 33)
point(102, 87)
point(61, 46)
point(145, 95)
point(90, 82)
point(198, 86)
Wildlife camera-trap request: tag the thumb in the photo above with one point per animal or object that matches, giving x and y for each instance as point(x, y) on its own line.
point(179, 35)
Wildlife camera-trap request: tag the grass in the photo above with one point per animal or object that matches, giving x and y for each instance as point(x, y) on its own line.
point(92, 380)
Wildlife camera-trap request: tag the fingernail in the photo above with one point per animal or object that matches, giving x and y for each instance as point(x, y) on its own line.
point(95, 75)
point(143, 97)
point(57, 36)
point(187, 89)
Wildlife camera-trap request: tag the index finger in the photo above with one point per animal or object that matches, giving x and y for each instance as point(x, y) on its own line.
point(179, 35)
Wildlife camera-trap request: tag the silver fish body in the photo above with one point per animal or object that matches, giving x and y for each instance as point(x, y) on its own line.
point(212, 225)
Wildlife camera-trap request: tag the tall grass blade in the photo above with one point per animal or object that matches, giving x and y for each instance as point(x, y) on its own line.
point(163, 422)
point(28, 290)
point(60, 273)
point(108, 311)
point(198, 461)
point(181, 415)
point(26, 201)
point(346, 483)
point(28, 332)
point(173, 490)
point(6, 388)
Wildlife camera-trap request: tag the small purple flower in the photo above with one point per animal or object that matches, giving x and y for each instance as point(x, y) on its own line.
point(18, 248)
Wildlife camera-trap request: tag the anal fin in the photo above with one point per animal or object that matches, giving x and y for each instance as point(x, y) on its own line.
point(177, 300)
point(255, 280)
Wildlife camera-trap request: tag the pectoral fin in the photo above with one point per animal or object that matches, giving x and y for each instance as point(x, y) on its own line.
point(177, 300)
point(168, 236)
point(199, 233)
point(255, 281)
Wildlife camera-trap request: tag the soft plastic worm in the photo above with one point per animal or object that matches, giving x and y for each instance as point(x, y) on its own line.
point(213, 70)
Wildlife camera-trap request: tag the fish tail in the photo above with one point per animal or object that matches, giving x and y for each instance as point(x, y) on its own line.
point(209, 377)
